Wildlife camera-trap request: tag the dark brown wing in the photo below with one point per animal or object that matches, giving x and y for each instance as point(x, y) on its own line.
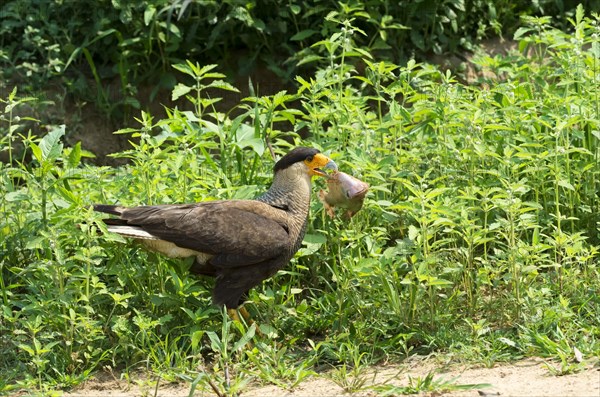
point(237, 233)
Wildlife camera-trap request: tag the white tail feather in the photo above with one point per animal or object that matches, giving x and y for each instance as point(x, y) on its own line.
point(131, 231)
point(156, 244)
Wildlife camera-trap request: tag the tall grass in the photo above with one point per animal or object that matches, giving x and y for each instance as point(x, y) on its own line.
point(479, 236)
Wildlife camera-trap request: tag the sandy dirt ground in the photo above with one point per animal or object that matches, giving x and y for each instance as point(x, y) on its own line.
point(529, 377)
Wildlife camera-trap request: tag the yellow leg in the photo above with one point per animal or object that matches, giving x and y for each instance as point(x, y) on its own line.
point(233, 314)
point(246, 315)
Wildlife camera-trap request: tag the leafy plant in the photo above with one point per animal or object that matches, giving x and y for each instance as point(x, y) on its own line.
point(426, 384)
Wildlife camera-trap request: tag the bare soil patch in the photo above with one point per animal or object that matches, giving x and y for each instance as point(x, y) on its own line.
point(530, 377)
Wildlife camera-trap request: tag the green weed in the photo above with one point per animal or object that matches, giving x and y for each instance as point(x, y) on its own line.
point(427, 384)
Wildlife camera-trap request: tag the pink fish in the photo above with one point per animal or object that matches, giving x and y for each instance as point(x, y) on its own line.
point(344, 191)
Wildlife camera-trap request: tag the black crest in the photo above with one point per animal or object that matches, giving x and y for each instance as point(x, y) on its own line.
point(295, 155)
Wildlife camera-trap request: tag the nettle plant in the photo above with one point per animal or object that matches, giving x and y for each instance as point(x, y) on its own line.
point(477, 183)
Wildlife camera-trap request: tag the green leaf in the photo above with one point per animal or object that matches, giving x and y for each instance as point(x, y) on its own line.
point(37, 152)
point(245, 339)
point(74, 155)
point(215, 342)
point(214, 128)
point(203, 71)
point(39, 242)
point(303, 35)
point(27, 348)
point(19, 195)
point(68, 196)
point(126, 131)
point(179, 91)
point(521, 32)
point(315, 238)
point(413, 232)
point(306, 85)
point(579, 13)
point(309, 59)
point(566, 184)
point(214, 75)
point(223, 85)
point(312, 243)
point(50, 144)
point(364, 53)
point(187, 69)
point(196, 338)
point(149, 14)
point(245, 138)
point(434, 281)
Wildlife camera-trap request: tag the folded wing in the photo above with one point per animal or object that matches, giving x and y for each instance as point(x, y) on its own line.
point(233, 233)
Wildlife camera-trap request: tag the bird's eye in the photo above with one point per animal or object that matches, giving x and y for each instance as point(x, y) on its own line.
point(309, 159)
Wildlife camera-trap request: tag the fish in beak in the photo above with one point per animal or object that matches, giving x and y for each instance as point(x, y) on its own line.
point(344, 191)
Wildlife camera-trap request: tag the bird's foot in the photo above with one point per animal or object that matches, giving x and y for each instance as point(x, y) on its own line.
point(233, 314)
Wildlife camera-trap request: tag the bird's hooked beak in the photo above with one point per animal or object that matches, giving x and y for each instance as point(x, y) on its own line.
point(319, 163)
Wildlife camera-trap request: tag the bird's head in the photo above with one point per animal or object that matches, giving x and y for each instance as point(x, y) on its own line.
point(313, 161)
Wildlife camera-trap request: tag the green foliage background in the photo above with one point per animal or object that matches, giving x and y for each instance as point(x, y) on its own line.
point(479, 238)
point(135, 42)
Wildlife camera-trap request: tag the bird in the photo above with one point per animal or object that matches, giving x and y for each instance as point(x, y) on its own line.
point(240, 243)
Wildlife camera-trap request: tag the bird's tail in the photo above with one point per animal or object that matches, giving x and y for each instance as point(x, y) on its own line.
point(113, 210)
point(121, 226)
point(109, 209)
